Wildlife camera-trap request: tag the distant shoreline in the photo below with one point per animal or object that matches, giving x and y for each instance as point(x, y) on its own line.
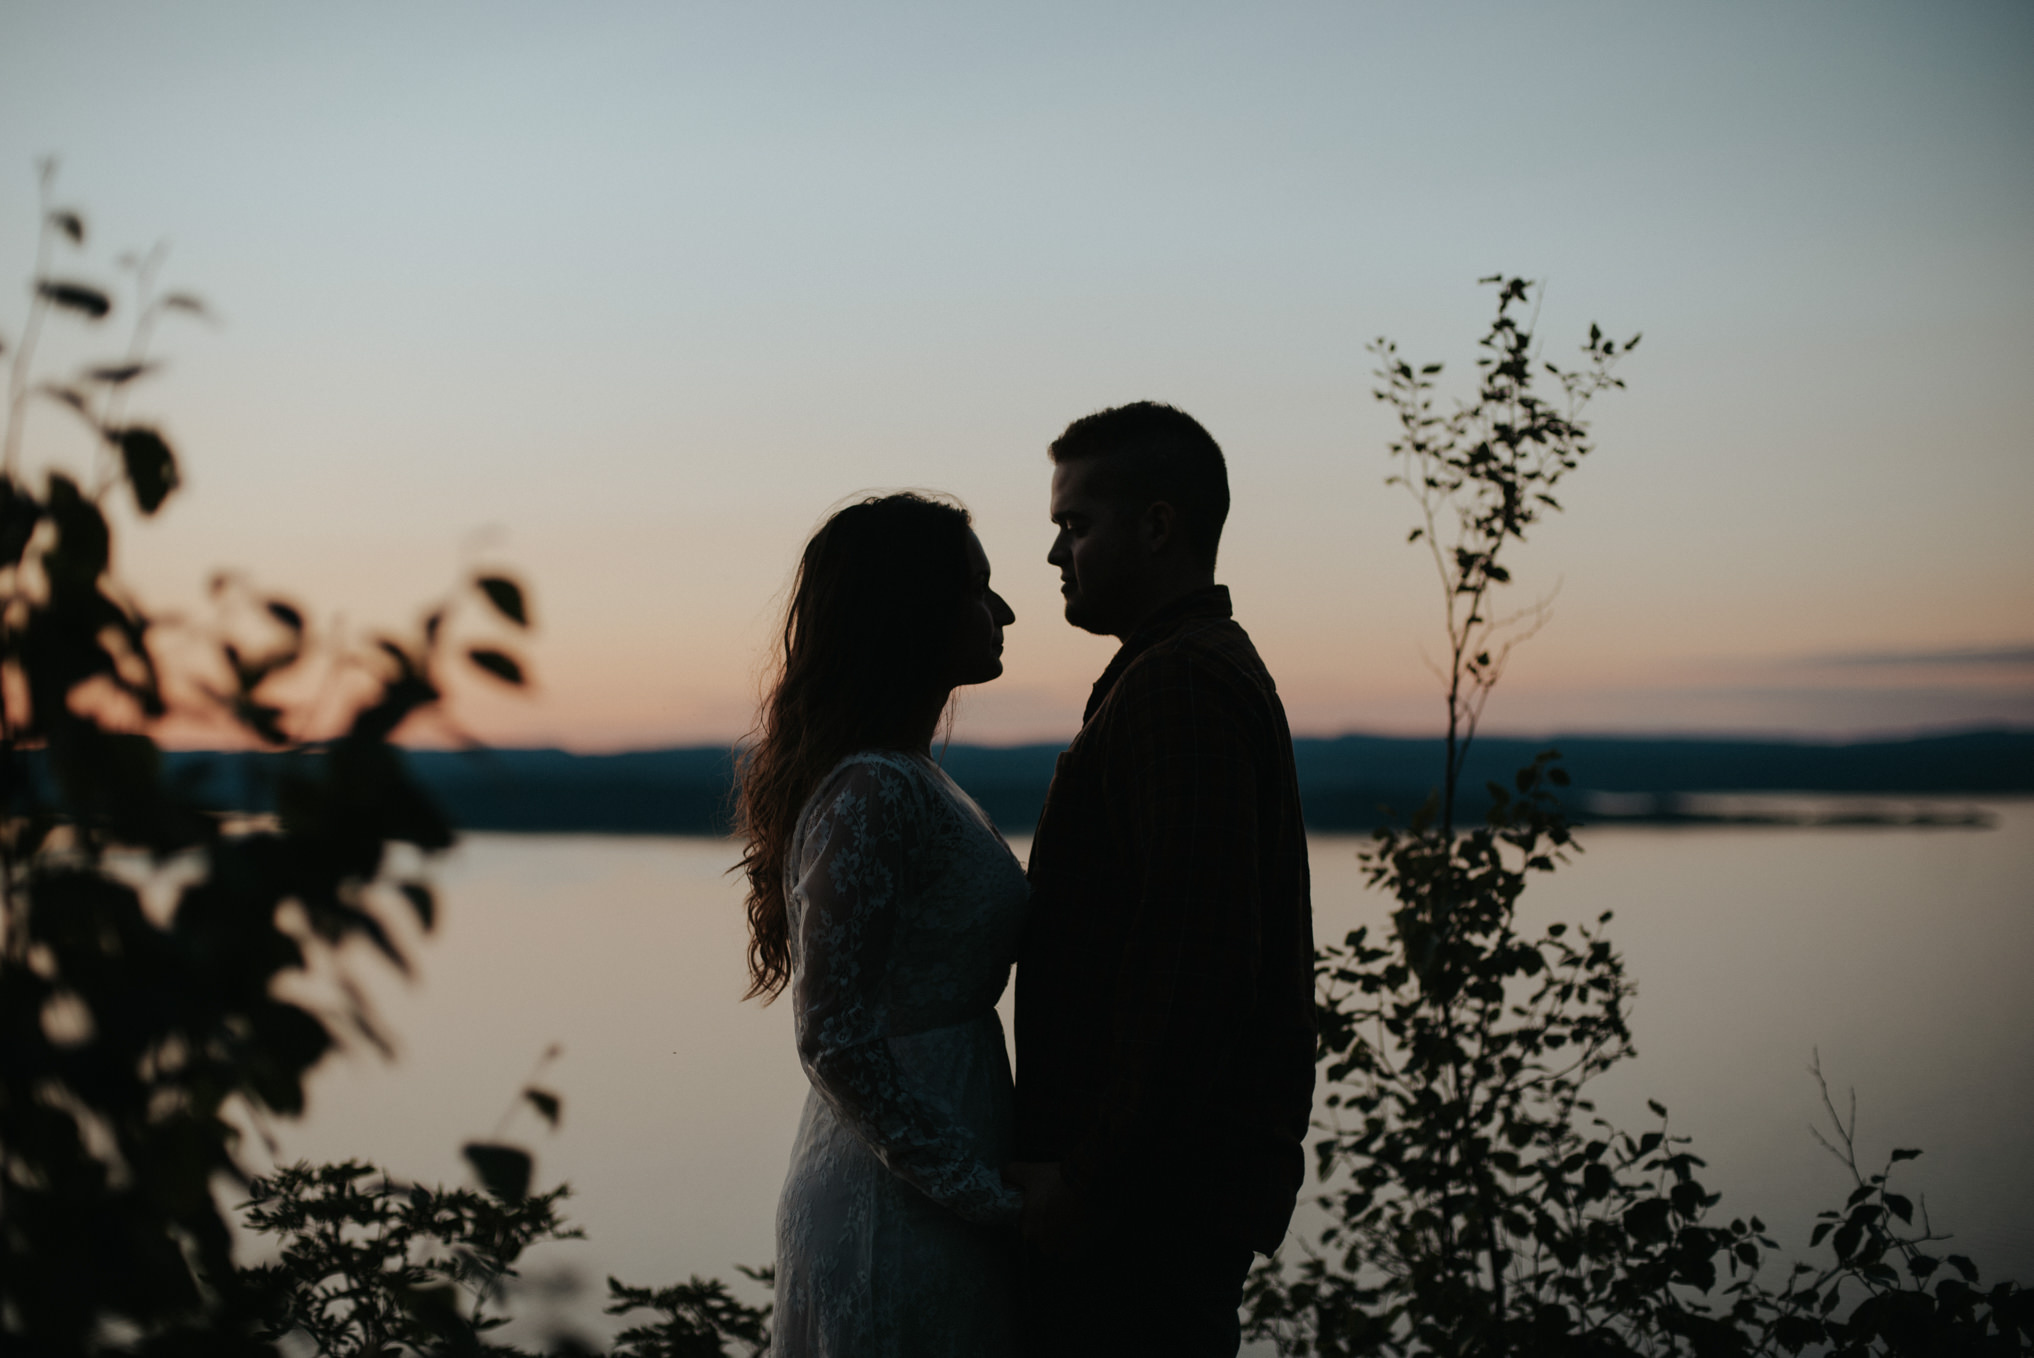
point(1347, 783)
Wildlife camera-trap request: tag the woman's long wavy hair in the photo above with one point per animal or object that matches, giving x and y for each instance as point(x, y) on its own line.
point(872, 614)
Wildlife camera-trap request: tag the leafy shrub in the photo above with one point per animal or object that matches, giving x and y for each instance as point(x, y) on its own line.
point(147, 940)
point(1475, 1203)
point(697, 1319)
point(369, 1265)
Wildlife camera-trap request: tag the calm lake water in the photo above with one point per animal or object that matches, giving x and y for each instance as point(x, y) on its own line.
point(1904, 956)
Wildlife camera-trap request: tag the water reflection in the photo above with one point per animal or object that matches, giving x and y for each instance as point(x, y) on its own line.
point(1900, 954)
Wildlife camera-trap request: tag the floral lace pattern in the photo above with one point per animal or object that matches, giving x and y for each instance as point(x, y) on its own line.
point(894, 1231)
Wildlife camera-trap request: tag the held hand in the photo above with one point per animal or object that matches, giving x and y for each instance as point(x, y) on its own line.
point(1055, 1218)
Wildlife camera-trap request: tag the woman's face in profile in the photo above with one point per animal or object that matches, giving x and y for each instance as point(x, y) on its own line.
point(976, 656)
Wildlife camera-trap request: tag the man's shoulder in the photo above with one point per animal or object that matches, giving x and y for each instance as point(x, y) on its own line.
point(1215, 648)
point(1205, 671)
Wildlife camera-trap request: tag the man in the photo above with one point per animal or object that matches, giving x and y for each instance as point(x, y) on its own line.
point(1165, 1038)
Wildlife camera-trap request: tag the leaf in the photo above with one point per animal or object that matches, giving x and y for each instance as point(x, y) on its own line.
point(1659, 1109)
point(70, 223)
point(1900, 1207)
point(151, 466)
point(496, 663)
point(184, 301)
point(79, 297)
point(70, 396)
point(1649, 1222)
point(437, 1310)
point(423, 902)
point(505, 1170)
point(120, 374)
point(83, 544)
point(547, 1104)
point(1900, 1155)
point(19, 515)
point(286, 614)
point(405, 666)
point(507, 597)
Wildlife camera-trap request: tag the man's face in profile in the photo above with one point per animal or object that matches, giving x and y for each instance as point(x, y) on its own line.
point(1099, 552)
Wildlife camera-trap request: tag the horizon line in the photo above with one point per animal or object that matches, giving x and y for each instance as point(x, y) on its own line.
point(1892, 737)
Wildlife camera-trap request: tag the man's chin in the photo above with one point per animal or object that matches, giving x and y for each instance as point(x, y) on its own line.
point(1085, 619)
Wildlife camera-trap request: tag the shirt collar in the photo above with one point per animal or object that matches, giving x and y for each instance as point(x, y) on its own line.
point(1210, 601)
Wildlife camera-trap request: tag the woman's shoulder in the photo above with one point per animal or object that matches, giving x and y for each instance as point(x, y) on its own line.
point(879, 765)
point(869, 800)
point(891, 780)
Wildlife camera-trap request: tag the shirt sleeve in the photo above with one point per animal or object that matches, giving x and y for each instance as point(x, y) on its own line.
point(1184, 786)
point(854, 876)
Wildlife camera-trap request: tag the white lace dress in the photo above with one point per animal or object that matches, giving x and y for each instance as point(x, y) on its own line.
point(895, 1232)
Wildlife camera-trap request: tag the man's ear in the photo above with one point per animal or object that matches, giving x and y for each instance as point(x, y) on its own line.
point(1158, 526)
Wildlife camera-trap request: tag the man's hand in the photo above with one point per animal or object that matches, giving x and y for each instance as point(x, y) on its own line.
point(1055, 1218)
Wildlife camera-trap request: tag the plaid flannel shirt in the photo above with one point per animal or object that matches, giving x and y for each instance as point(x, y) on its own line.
point(1165, 1029)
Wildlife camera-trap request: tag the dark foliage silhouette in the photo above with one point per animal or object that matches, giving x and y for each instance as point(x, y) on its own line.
point(369, 1265)
point(1474, 1202)
point(146, 942)
point(365, 1264)
point(154, 913)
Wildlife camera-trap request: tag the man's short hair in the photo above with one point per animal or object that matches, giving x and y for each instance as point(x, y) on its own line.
point(1147, 451)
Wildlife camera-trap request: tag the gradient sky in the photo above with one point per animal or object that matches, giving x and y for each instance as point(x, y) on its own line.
point(626, 297)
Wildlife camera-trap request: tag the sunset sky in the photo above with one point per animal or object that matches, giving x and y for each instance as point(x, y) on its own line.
point(625, 298)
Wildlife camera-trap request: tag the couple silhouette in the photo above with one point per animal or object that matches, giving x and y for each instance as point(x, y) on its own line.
point(1111, 1198)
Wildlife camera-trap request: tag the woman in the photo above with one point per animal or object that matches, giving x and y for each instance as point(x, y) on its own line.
point(884, 899)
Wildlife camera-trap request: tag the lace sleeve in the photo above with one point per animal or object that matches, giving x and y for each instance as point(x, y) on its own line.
point(854, 874)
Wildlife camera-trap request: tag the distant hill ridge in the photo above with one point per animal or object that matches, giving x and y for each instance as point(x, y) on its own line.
point(1345, 781)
